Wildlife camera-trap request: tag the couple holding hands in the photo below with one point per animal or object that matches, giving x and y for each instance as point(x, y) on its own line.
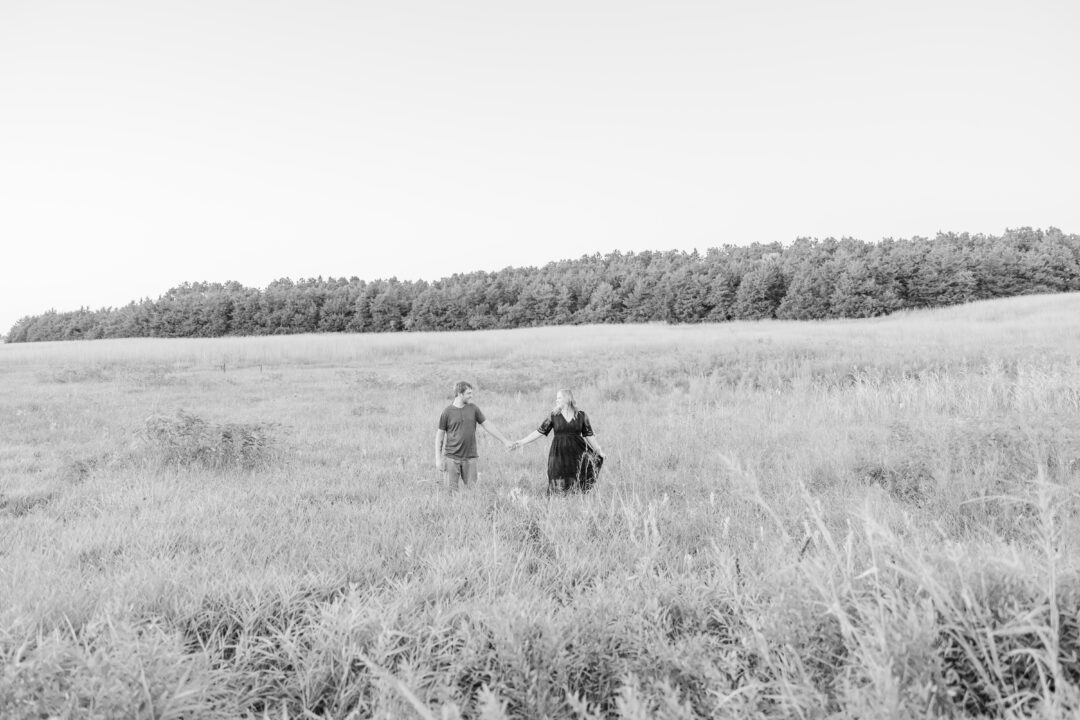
point(574, 459)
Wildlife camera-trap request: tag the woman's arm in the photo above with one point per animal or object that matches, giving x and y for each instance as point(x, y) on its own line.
point(591, 440)
point(534, 435)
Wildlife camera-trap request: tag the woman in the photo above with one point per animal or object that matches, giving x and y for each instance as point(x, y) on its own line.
point(575, 456)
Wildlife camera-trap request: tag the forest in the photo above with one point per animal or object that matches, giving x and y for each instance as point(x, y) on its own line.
point(807, 279)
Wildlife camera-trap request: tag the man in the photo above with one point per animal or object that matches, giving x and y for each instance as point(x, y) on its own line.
point(455, 440)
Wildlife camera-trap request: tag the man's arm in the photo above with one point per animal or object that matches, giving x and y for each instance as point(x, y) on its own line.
point(494, 432)
point(440, 440)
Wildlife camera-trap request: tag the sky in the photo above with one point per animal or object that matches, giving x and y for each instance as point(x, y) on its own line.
point(148, 143)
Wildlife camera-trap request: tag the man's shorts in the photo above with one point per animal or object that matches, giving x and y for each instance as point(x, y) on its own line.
point(463, 470)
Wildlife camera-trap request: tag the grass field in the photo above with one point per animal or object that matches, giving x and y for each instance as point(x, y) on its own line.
point(855, 519)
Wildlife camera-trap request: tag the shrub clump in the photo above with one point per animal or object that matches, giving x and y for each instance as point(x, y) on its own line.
point(19, 505)
point(907, 481)
point(186, 440)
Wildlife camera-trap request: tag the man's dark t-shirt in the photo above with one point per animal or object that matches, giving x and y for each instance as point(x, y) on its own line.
point(460, 426)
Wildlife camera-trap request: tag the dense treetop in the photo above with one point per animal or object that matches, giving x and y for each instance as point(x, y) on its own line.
point(803, 280)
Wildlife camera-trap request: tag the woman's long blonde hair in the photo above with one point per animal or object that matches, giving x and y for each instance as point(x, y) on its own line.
point(568, 398)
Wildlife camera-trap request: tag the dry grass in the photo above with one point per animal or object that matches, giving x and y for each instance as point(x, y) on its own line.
point(853, 519)
point(186, 440)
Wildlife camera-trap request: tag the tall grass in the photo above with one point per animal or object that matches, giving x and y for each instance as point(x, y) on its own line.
point(850, 519)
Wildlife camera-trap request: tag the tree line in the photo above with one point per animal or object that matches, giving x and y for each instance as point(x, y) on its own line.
point(807, 279)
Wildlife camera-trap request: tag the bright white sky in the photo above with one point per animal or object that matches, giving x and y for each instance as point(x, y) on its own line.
point(148, 143)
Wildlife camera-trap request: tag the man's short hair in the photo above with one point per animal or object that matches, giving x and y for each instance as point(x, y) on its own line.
point(461, 386)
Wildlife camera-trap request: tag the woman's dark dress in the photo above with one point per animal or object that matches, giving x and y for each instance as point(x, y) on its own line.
point(572, 465)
